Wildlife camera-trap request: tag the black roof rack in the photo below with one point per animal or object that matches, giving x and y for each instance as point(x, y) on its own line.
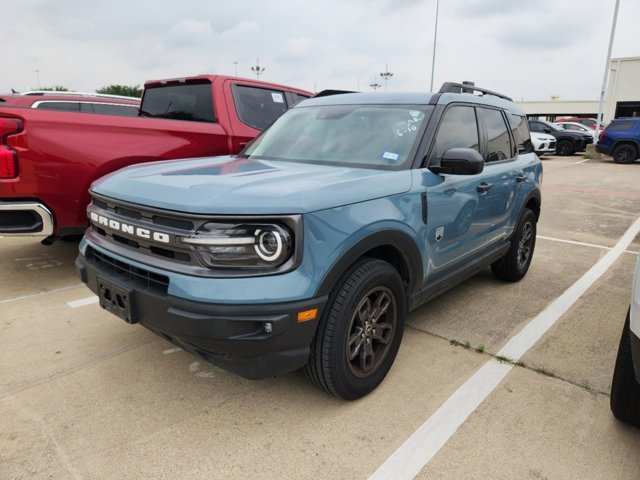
point(327, 93)
point(469, 87)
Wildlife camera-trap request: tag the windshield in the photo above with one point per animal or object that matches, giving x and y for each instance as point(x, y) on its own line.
point(368, 136)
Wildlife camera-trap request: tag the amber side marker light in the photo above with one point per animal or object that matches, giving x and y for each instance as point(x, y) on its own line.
point(307, 315)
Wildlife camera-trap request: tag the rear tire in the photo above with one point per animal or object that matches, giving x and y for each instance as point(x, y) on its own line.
point(625, 389)
point(625, 153)
point(565, 148)
point(515, 264)
point(360, 331)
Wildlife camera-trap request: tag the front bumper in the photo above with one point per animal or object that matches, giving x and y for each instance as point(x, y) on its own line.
point(25, 219)
point(254, 341)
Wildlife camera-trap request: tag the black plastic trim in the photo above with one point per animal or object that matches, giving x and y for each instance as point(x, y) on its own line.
point(397, 239)
point(460, 274)
point(230, 336)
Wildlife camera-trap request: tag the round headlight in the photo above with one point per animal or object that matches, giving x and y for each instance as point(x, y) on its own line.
point(268, 245)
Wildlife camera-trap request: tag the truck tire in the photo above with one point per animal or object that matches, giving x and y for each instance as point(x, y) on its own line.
point(565, 148)
point(515, 264)
point(625, 153)
point(625, 389)
point(360, 331)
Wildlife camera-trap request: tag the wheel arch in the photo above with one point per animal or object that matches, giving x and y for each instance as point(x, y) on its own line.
point(626, 141)
point(533, 202)
point(393, 246)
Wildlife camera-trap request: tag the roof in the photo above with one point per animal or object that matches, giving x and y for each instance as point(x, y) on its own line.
point(212, 78)
point(410, 98)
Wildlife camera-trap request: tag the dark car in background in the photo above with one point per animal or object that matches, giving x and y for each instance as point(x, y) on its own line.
point(621, 140)
point(567, 142)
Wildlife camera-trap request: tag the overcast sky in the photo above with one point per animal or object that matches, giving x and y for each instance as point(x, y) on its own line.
point(526, 49)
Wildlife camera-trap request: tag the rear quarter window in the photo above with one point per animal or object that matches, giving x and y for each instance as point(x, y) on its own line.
point(521, 135)
point(621, 125)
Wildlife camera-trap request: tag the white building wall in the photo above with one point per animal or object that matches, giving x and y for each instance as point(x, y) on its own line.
point(623, 86)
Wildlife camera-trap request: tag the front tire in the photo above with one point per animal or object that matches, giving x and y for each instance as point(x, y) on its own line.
point(625, 153)
point(565, 148)
point(625, 389)
point(515, 264)
point(360, 331)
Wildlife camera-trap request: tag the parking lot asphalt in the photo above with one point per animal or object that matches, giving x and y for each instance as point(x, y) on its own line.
point(85, 395)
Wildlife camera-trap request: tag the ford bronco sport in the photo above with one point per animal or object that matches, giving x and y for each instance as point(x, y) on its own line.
point(308, 249)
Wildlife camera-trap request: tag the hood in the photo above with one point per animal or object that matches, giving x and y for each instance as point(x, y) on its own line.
point(542, 137)
point(231, 185)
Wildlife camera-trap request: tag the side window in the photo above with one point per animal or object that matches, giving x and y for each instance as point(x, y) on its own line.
point(297, 98)
point(520, 132)
point(458, 128)
point(258, 107)
point(499, 146)
point(113, 109)
point(59, 106)
point(535, 127)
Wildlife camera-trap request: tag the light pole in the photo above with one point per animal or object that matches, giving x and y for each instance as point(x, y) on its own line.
point(386, 75)
point(606, 70)
point(258, 69)
point(235, 64)
point(435, 37)
point(375, 85)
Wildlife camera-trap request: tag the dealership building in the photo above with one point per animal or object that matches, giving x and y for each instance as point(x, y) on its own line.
point(622, 98)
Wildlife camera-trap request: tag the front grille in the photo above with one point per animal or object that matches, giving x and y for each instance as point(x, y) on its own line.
point(151, 220)
point(138, 276)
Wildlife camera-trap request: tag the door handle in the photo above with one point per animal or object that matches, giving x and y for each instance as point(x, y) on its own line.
point(521, 178)
point(484, 187)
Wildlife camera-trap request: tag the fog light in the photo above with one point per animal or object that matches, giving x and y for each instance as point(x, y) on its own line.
point(268, 327)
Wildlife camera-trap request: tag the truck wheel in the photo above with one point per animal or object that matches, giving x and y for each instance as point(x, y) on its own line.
point(564, 148)
point(625, 153)
point(360, 331)
point(625, 389)
point(514, 265)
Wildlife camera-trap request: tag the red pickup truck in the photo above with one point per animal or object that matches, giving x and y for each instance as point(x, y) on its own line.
point(49, 158)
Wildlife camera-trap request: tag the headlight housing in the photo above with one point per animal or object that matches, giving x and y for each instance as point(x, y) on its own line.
point(249, 245)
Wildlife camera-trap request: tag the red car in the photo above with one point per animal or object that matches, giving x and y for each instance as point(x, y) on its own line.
point(586, 121)
point(48, 158)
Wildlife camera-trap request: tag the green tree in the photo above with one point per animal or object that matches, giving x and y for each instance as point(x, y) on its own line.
point(125, 90)
point(55, 88)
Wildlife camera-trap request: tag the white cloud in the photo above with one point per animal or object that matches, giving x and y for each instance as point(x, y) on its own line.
point(188, 32)
point(299, 46)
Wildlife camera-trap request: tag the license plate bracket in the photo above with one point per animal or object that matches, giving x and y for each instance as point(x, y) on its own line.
point(116, 300)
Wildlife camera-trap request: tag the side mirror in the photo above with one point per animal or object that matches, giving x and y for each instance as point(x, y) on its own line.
point(460, 161)
point(546, 130)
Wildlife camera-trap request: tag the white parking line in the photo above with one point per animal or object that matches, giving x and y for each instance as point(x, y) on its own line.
point(416, 452)
point(582, 161)
point(15, 299)
point(582, 244)
point(83, 302)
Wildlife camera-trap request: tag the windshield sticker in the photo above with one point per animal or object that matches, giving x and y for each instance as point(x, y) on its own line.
point(390, 156)
point(277, 97)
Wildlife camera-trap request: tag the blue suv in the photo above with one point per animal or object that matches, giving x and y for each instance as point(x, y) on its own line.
point(308, 249)
point(621, 140)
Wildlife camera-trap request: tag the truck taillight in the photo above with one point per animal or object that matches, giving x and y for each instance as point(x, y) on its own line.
point(9, 126)
point(8, 156)
point(8, 163)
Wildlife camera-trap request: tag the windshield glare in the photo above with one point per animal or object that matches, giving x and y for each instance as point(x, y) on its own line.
point(377, 136)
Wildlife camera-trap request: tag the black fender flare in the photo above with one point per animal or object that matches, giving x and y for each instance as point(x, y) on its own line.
point(395, 238)
point(536, 195)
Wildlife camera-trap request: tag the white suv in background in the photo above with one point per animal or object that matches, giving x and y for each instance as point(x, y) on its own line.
point(543, 143)
point(625, 390)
